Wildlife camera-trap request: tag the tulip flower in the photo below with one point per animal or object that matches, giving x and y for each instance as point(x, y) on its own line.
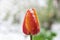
point(31, 24)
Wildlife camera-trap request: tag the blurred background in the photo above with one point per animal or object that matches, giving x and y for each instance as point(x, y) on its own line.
point(12, 14)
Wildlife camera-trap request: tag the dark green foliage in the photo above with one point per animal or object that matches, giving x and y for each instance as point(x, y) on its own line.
point(44, 35)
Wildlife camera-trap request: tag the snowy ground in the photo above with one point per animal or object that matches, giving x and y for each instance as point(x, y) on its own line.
point(56, 29)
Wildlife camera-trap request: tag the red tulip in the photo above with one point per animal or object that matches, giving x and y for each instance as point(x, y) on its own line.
point(31, 24)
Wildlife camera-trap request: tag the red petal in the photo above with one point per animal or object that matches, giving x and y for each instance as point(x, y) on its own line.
point(31, 24)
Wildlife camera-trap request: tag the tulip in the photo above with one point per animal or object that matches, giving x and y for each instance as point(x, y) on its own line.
point(31, 24)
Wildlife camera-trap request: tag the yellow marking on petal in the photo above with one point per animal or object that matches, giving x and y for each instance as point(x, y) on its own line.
point(27, 24)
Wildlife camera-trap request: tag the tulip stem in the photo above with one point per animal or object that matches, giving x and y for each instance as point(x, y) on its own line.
point(30, 37)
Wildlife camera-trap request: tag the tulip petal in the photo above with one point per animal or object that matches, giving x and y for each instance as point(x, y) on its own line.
point(31, 23)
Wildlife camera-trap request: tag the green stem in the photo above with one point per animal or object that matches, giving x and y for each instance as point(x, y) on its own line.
point(30, 37)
